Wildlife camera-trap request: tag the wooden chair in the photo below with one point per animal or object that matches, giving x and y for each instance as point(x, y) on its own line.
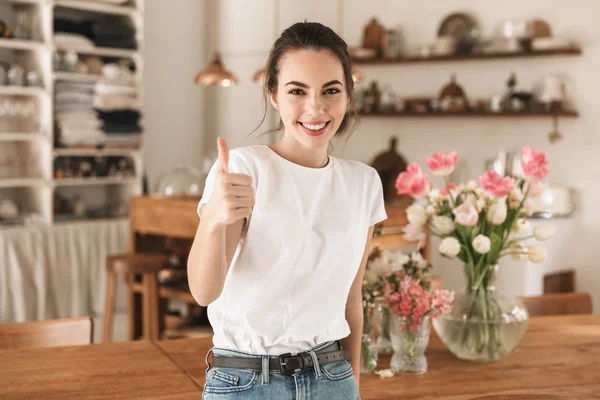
point(49, 333)
point(131, 266)
point(558, 304)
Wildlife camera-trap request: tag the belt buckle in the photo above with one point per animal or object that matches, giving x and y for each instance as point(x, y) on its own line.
point(289, 364)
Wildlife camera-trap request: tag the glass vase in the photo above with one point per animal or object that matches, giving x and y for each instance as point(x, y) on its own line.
point(409, 345)
point(368, 353)
point(484, 324)
point(383, 323)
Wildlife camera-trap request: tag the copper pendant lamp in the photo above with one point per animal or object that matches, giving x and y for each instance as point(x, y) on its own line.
point(215, 74)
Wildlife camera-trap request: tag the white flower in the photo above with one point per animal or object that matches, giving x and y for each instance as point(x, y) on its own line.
point(416, 214)
point(450, 247)
point(480, 192)
point(414, 233)
point(431, 209)
point(419, 260)
point(537, 254)
point(535, 187)
point(435, 196)
point(443, 224)
point(370, 276)
point(520, 251)
point(497, 212)
point(482, 244)
point(472, 185)
point(529, 207)
point(515, 197)
point(544, 232)
point(521, 225)
point(480, 205)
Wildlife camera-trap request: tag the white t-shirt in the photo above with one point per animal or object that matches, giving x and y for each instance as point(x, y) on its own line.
point(287, 286)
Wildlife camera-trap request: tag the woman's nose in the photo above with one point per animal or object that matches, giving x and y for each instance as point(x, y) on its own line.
point(316, 103)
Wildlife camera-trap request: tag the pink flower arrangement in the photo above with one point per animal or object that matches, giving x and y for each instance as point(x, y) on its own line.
point(478, 224)
point(412, 182)
point(409, 300)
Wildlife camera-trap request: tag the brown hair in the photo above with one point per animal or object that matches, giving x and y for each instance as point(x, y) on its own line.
point(304, 36)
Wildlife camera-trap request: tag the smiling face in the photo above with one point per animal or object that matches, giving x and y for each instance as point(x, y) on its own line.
point(311, 96)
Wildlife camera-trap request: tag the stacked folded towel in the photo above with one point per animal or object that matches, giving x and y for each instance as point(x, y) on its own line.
point(105, 31)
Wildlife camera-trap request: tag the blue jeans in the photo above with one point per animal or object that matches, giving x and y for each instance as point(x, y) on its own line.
point(333, 381)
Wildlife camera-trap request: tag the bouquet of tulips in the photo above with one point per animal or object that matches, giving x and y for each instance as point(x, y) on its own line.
point(478, 223)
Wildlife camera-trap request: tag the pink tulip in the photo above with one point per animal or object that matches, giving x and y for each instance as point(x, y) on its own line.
point(442, 164)
point(534, 163)
point(466, 214)
point(412, 181)
point(495, 184)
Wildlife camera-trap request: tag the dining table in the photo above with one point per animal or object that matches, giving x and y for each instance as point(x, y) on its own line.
point(558, 358)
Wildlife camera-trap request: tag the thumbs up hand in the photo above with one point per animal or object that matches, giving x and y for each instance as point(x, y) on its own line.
point(233, 195)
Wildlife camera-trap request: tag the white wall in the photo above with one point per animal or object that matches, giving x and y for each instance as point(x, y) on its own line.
point(175, 50)
point(245, 26)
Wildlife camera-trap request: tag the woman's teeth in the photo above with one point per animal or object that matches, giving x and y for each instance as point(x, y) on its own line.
point(314, 127)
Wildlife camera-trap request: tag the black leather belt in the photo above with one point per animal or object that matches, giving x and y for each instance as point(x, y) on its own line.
point(287, 363)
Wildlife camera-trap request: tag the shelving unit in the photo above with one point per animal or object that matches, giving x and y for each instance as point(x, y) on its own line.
point(572, 51)
point(473, 114)
point(95, 181)
point(36, 194)
point(567, 52)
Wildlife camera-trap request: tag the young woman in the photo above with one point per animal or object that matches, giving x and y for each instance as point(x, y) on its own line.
point(284, 235)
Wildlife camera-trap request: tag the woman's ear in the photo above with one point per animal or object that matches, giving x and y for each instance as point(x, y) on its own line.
point(273, 98)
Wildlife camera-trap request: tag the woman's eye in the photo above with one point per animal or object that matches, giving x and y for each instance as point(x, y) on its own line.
point(332, 91)
point(296, 92)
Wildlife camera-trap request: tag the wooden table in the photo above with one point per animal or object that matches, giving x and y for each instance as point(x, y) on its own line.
point(127, 370)
point(559, 356)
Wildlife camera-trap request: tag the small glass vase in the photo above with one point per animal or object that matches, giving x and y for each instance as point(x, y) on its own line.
point(484, 324)
point(368, 353)
point(409, 346)
point(384, 325)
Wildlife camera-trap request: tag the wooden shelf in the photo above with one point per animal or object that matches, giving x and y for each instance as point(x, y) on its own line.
point(73, 77)
point(20, 136)
point(474, 114)
point(96, 7)
point(34, 2)
point(94, 152)
point(17, 44)
point(95, 181)
point(479, 56)
point(99, 51)
point(20, 182)
point(21, 91)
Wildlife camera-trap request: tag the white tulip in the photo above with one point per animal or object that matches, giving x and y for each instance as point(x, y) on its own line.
point(520, 251)
point(529, 207)
point(544, 232)
point(482, 244)
point(515, 197)
point(480, 205)
point(471, 185)
point(450, 247)
point(431, 209)
point(416, 215)
point(497, 212)
point(537, 254)
point(521, 226)
point(443, 224)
